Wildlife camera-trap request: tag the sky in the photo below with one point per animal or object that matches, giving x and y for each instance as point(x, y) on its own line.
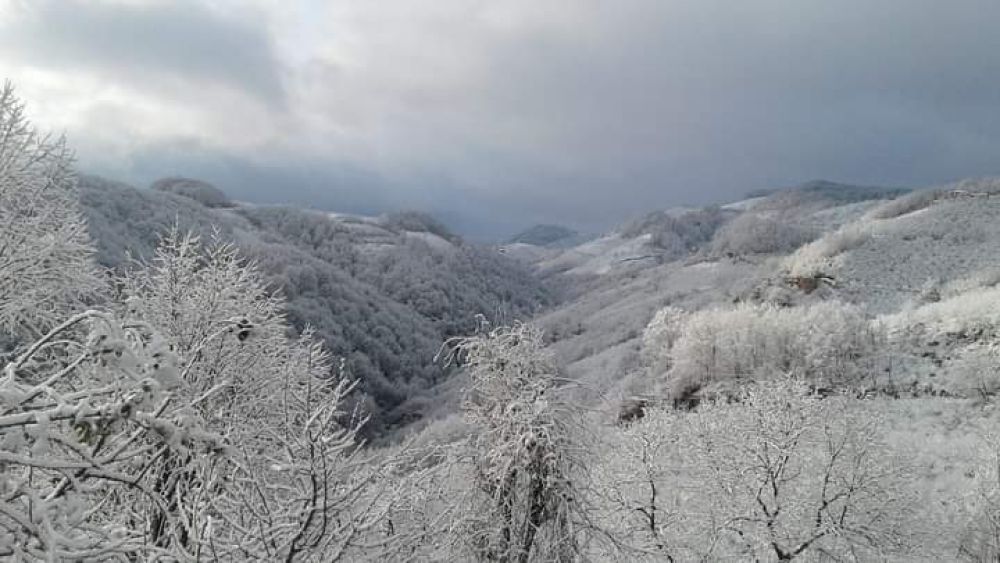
point(496, 115)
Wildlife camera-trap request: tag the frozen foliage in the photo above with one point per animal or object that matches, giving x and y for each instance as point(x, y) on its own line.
point(214, 436)
point(202, 192)
point(291, 472)
point(449, 285)
point(83, 415)
point(828, 343)
point(973, 314)
point(779, 475)
point(45, 253)
point(820, 257)
point(125, 222)
point(660, 335)
point(526, 507)
point(677, 234)
point(757, 233)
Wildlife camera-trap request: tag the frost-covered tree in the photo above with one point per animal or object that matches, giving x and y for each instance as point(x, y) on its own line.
point(779, 475)
point(829, 343)
point(45, 253)
point(527, 506)
point(759, 233)
point(293, 486)
point(659, 336)
point(81, 398)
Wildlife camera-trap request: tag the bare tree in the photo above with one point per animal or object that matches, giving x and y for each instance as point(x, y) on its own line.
point(778, 475)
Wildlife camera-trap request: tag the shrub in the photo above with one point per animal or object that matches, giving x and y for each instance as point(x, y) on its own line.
point(753, 233)
point(659, 336)
point(974, 314)
point(826, 343)
point(779, 475)
point(818, 257)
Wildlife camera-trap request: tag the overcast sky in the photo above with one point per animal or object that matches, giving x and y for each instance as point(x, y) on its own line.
point(499, 114)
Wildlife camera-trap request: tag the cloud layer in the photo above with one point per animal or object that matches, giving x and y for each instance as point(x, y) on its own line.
point(500, 114)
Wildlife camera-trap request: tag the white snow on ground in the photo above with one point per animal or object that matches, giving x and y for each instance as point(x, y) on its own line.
point(946, 242)
point(600, 256)
point(744, 205)
point(529, 253)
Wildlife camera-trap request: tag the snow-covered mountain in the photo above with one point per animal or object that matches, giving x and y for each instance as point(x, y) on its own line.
point(382, 292)
point(903, 258)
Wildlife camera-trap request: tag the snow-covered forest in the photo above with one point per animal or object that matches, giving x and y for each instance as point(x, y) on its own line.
point(808, 374)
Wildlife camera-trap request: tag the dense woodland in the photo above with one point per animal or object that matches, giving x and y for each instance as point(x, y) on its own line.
point(375, 294)
point(187, 378)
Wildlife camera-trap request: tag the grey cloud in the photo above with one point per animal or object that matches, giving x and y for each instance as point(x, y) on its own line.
point(594, 112)
point(181, 40)
point(662, 103)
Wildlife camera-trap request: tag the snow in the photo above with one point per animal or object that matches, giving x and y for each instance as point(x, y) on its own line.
point(744, 204)
point(601, 256)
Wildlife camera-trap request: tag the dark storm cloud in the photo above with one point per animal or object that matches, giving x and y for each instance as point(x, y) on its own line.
point(690, 101)
point(579, 112)
point(133, 43)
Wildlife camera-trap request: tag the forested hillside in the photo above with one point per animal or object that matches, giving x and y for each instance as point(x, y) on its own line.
point(383, 293)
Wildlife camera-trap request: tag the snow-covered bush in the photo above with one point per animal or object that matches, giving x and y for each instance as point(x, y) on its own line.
point(45, 253)
point(525, 506)
point(986, 278)
point(913, 201)
point(756, 233)
point(974, 314)
point(778, 475)
point(827, 343)
point(659, 336)
point(819, 257)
